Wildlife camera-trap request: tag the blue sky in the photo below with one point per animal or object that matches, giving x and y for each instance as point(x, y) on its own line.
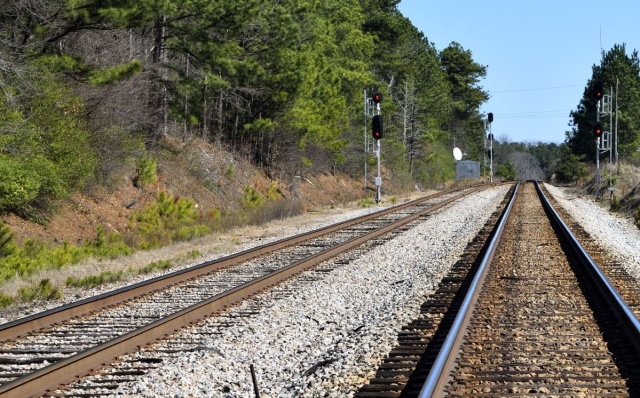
point(539, 54)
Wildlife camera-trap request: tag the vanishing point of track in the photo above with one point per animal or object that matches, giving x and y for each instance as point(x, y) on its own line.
point(43, 351)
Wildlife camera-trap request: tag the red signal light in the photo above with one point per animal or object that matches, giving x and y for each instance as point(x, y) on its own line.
point(597, 129)
point(599, 89)
point(376, 125)
point(377, 98)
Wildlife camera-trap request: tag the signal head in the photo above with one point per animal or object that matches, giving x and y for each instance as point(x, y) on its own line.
point(599, 89)
point(490, 117)
point(376, 127)
point(597, 129)
point(377, 98)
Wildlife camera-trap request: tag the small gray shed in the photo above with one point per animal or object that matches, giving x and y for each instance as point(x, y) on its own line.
point(467, 169)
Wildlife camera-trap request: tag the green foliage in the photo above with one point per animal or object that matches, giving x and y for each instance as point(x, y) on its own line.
point(231, 171)
point(366, 202)
point(272, 192)
point(7, 245)
point(615, 68)
point(42, 291)
point(507, 171)
point(569, 168)
point(107, 245)
point(116, 73)
point(95, 280)
point(43, 148)
point(252, 198)
point(167, 220)
point(147, 171)
point(161, 265)
point(5, 300)
point(34, 255)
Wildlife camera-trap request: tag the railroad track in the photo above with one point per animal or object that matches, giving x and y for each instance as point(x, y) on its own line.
point(526, 313)
point(43, 351)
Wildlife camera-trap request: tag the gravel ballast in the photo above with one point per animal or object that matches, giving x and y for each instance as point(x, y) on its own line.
point(329, 337)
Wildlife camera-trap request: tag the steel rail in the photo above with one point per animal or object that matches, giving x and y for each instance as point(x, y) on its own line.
point(437, 377)
point(22, 326)
point(625, 316)
point(69, 369)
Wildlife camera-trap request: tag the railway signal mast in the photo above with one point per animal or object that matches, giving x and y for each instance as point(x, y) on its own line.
point(488, 145)
point(604, 138)
point(372, 110)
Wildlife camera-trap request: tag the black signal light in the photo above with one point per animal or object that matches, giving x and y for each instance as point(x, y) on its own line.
point(599, 90)
point(377, 98)
point(376, 124)
point(597, 129)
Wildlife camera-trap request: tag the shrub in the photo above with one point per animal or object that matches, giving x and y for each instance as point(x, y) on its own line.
point(272, 192)
point(166, 220)
point(7, 245)
point(147, 171)
point(43, 291)
point(252, 198)
point(636, 216)
point(615, 203)
point(366, 202)
point(45, 151)
point(155, 266)
point(5, 300)
point(95, 280)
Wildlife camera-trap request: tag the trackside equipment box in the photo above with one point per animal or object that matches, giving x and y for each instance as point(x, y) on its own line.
point(467, 169)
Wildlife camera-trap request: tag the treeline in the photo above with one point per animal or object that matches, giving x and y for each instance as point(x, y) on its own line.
point(619, 73)
point(89, 86)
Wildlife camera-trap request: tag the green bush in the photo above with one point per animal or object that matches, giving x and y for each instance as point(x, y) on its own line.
point(7, 245)
point(636, 216)
point(45, 153)
point(5, 300)
point(95, 280)
point(167, 220)
point(161, 265)
point(252, 198)
point(147, 170)
point(366, 202)
point(43, 291)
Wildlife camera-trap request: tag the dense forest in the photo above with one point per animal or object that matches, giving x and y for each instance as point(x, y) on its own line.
point(88, 87)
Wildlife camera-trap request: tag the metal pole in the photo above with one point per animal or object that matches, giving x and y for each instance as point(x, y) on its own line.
point(366, 141)
point(598, 168)
point(490, 155)
point(616, 129)
point(379, 179)
point(598, 154)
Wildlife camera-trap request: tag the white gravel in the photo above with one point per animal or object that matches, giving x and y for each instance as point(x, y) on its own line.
point(618, 235)
point(350, 318)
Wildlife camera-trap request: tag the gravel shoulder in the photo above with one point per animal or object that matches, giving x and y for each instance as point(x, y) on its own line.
point(617, 234)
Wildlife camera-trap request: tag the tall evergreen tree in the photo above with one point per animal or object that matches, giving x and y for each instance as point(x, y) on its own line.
point(616, 69)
